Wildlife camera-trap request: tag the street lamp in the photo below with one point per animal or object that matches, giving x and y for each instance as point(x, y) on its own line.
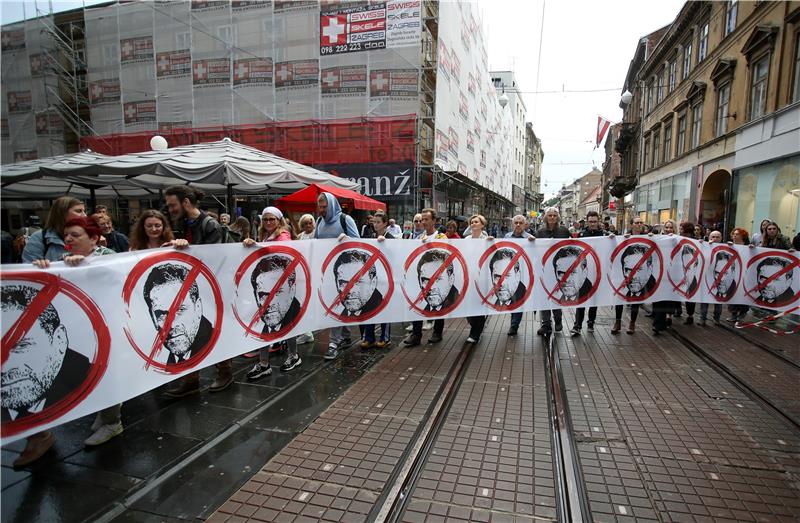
point(626, 98)
point(503, 100)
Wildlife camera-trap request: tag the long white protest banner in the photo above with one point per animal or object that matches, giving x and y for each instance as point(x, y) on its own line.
point(78, 339)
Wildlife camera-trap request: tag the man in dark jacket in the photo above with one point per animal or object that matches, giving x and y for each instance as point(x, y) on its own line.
point(551, 229)
point(115, 240)
point(194, 227)
point(593, 228)
point(519, 223)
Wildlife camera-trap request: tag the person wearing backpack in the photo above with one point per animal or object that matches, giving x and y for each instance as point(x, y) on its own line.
point(48, 243)
point(194, 227)
point(333, 223)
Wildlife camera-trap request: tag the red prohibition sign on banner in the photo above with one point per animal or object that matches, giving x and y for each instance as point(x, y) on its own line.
point(716, 280)
point(454, 254)
point(197, 268)
point(297, 259)
point(376, 256)
point(789, 296)
point(677, 252)
point(650, 249)
point(519, 254)
point(586, 251)
point(54, 285)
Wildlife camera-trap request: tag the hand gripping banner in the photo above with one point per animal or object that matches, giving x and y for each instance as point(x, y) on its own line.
point(79, 339)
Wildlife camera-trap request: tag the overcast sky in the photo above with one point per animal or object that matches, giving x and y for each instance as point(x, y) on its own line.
point(586, 45)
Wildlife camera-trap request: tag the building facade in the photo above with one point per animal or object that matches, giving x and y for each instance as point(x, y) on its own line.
point(714, 110)
point(534, 156)
point(398, 98)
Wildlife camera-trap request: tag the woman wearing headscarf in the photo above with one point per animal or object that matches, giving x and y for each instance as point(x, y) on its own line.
point(273, 229)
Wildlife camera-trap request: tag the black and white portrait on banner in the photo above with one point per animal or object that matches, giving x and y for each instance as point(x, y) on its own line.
point(505, 279)
point(724, 273)
point(435, 279)
point(686, 268)
point(570, 272)
point(636, 269)
point(356, 282)
point(773, 279)
point(272, 291)
point(175, 309)
point(55, 349)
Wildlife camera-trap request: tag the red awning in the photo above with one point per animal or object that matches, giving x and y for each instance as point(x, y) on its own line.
point(305, 200)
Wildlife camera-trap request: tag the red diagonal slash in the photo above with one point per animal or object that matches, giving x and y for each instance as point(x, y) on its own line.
point(635, 269)
point(775, 276)
point(503, 276)
point(438, 272)
point(264, 306)
point(582, 256)
point(24, 323)
point(722, 272)
point(686, 268)
point(352, 283)
point(161, 337)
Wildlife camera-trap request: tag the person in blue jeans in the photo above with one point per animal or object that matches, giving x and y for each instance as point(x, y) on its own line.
point(519, 224)
point(380, 223)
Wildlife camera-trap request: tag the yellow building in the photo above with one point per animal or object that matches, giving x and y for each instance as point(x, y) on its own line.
point(715, 102)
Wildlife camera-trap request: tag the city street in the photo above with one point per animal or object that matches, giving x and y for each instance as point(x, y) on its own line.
point(697, 423)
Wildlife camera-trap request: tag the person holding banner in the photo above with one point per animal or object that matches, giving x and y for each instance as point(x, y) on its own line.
point(687, 231)
point(551, 229)
point(48, 243)
point(151, 231)
point(592, 229)
point(306, 224)
point(333, 223)
point(66, 368)
point(274, 229)
point(739, 236)
point(194, 227)
point(380, 226)
point(477, 224)
point(519, 223)
point(637, 229)
point(773, 239)
point(429, 232)
point(714, 237)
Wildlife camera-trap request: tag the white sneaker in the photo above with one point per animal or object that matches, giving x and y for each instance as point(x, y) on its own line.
point(428, 325)
point(471, 340)
point(409, 328)
point(305, 338)
point(103, 434)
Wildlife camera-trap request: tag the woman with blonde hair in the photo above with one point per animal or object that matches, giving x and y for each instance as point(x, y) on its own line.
point(306, 224)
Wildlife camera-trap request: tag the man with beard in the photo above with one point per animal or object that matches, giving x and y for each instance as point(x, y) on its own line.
point(283, 307)
point(190, 331)
point(775, 290)
point(574, 285)
point(40, 368)
point(363, 297)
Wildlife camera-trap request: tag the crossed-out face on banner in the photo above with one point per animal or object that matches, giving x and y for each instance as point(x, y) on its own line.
point(772, 279)
point(273, 288)
point(570, 272)
point(49, 365)
point(686, 268)
point(505, 279)
point(436, 279)
point(724, 274)
point(636, 269)
point(174, 306)
point(357, 282)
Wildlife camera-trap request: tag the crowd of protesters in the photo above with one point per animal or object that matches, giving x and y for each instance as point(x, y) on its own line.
point(70, 235)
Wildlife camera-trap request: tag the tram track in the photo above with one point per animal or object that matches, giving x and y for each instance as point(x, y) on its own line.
point(738, 381)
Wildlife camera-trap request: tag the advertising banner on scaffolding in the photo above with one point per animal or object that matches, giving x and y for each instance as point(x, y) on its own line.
point(474, 134)
point(79, 339)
